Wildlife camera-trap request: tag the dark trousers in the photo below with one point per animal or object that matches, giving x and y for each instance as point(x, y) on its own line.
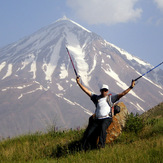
point(99, 126)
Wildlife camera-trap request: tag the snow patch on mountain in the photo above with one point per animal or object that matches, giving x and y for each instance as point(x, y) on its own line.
point(59, 95)
point(64, 72)
point(81, 26)
point(74, 103)
point(23, 94)
point(26, 86)
point(49, 68)
point(18, 87)
point(68, 101)
point(108, 56)
point(161, 93)
point(94, 64)
point(82, 65)
point(129, 56)
point(9, 71)
point(85, 110)
point(33, 69)
point(2, 65)
point(29, 59)
point(78, 54)
point(59, 87)
point(138, 106)
point(73, 80)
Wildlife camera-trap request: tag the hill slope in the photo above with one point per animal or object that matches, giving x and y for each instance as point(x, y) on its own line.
point(156, 112)
point(145, 146)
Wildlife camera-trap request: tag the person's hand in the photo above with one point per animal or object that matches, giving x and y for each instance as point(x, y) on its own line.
point(132, 83)
point(78, 79)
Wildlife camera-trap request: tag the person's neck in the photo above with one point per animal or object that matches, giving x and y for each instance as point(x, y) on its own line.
point(102, 96)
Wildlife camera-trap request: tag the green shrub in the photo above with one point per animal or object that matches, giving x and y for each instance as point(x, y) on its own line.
point(134, 123)
point(152, 121)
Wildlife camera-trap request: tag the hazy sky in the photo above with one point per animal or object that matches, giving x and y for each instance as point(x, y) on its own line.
point(133, 25)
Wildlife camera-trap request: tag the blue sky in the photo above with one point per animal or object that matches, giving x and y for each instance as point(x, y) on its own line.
point(133, 25)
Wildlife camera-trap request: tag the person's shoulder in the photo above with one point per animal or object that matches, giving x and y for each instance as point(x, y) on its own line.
point(113, 95)
point(114, 98)
point(94, 97)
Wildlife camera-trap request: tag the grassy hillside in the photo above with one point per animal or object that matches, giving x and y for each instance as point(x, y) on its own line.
point(141, 141)
point(155, 112)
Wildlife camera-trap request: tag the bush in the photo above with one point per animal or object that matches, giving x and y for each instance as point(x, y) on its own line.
point(134, 123)
point(152, 122)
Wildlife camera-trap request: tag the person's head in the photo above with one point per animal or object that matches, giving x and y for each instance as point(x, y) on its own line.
point(104, 90)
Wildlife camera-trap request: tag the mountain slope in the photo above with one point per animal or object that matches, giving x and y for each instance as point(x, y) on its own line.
point(38, 84)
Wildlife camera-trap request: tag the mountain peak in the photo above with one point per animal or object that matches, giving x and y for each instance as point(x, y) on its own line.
point(64, 18)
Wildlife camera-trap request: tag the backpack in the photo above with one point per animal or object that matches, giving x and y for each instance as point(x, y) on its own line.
point(115, 108)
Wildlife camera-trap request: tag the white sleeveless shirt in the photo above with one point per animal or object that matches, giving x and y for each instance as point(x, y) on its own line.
point(102, 109)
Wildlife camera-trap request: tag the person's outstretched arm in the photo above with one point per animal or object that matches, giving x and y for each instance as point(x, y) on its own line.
point(127, 90)
point(82, 87)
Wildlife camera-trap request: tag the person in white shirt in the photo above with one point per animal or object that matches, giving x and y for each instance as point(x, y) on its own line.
point(103, 116)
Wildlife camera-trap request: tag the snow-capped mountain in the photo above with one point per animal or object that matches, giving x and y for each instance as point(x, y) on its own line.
point(38, 86)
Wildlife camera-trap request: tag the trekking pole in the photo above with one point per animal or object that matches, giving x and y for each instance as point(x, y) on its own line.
point(147, 72)
point(72, 63)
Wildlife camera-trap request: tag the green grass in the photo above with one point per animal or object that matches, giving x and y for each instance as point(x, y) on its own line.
point(36, 146)
point(145, 144)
